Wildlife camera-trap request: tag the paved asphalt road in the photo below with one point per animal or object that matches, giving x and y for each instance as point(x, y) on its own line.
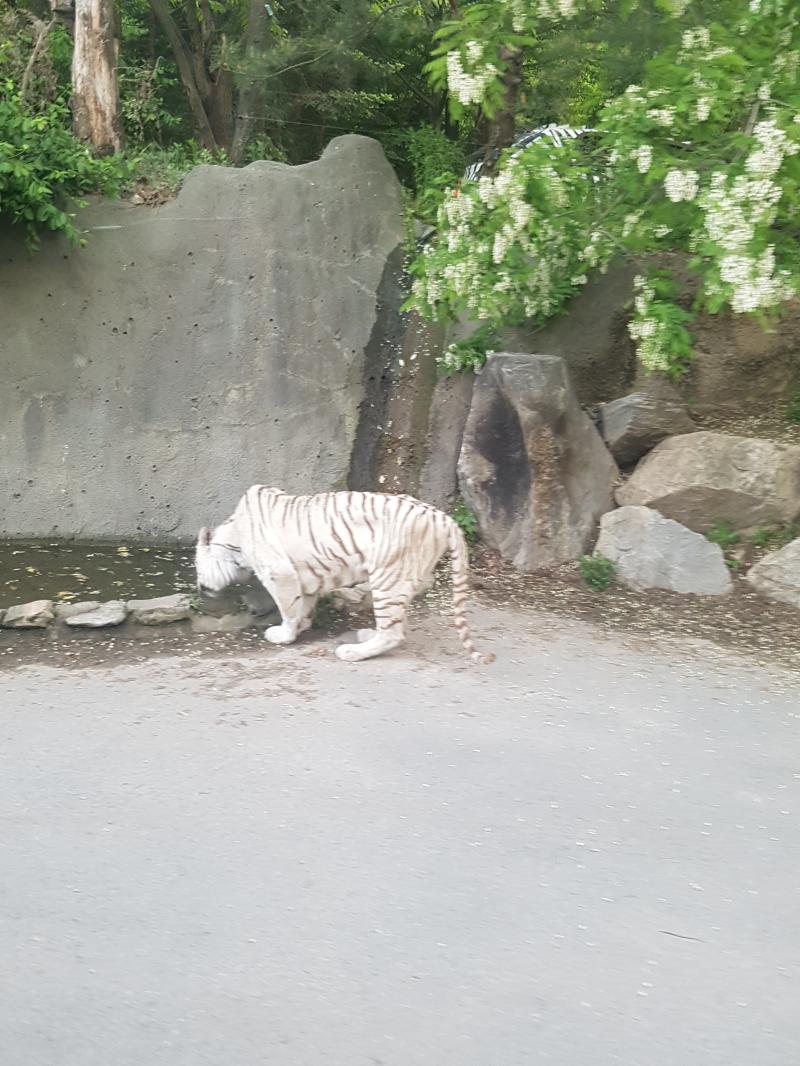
point(586, 854)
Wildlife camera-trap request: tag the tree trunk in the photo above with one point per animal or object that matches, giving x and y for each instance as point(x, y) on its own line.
point(500, 128)
point(185, 64)
point(250, 104)
point(96, 115)
point(220, 108)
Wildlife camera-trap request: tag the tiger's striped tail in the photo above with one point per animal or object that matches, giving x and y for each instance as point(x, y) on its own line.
point(460, 571)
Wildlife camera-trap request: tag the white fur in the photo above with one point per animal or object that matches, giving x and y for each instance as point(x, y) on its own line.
point(303, 547)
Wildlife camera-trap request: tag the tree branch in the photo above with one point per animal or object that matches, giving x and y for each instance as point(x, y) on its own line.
point(42, 30)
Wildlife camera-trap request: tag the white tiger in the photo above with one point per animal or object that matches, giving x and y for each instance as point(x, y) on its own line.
point(303, 547)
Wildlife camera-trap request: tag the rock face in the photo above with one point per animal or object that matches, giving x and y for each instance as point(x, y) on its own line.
point(532, 466)
point(700, 479)
point(592, 338)
point(651, 552)
point(634, 424)
point(243, 324)
point(35, 615)
point(112, 613)
point(162, 609)
point(777, 575)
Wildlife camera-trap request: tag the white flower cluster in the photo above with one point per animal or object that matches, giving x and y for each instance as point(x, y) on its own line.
point(698, 40)
point(649, 333)
point(754, 281)
point(525, 12)
point(630, 222)
point(664, 116)
point(469, 86)
point(703, 108)
point(773, 144)
point(644, 157)
point(733, 211)
point(681, 185)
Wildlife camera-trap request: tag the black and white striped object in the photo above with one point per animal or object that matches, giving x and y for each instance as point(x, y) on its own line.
point(554, 133)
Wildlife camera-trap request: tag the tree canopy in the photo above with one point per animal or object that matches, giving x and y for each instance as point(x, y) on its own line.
point(692, 109)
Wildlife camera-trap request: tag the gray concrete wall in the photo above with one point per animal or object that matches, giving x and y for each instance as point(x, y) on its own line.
point(191, 350)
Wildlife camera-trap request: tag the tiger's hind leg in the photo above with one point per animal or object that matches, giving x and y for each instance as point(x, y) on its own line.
point(390, 625)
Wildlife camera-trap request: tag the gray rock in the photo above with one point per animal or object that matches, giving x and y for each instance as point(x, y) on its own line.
point(226, 623)
point(777, 575)
point(258, 601)
point(592, 337)
point(634, 424)
point(700, 479)
point(449, 411)
point(652, 552)
point(533, 468)
point(69, 610)
point(112, 613)
point(355, 596)
point(35, 615)
point(161, 610)
point(279, 283)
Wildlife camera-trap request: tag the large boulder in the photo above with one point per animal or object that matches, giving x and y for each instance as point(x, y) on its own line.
point(701, 479)
point(634, 424)
point(236, 335)
point(532, 466)
point(777, 575)
point(652, 552)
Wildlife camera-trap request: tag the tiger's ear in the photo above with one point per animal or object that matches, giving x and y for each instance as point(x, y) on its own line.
point(204, 537)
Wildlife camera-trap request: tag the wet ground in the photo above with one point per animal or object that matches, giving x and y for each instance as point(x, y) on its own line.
point(227, 852)
point(743, 624)
point(67, 571)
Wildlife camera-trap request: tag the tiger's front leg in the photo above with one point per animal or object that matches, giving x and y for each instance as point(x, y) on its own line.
point(288, 596)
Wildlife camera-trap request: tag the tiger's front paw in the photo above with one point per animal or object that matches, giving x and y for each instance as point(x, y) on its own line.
point(350, 653)
point(280, 635)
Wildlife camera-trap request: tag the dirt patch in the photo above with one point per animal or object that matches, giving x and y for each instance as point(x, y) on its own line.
point(763, 632)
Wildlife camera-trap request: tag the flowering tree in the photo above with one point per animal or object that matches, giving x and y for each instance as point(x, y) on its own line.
point(702, 158)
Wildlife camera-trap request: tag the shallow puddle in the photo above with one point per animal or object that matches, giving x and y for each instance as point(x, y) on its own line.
point(66, 572)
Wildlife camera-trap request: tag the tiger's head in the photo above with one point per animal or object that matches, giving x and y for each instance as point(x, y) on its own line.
point(218, 562)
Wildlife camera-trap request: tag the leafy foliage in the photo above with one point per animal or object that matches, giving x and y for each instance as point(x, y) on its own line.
point(793, 410)
point(162, 170)
point(723, 534)
point(466, 522)
point(469, 354)
point(597, 571)
point(774, 537)
point(43, 168)
point(701, 158)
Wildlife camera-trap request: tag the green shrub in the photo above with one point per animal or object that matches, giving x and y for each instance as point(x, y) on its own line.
point(597, 572)
point(774, 537)
point(44, 169)
point(793, 410)
point(163, 169)
point(723, 534)
point(428, 161)
point(466, 522)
